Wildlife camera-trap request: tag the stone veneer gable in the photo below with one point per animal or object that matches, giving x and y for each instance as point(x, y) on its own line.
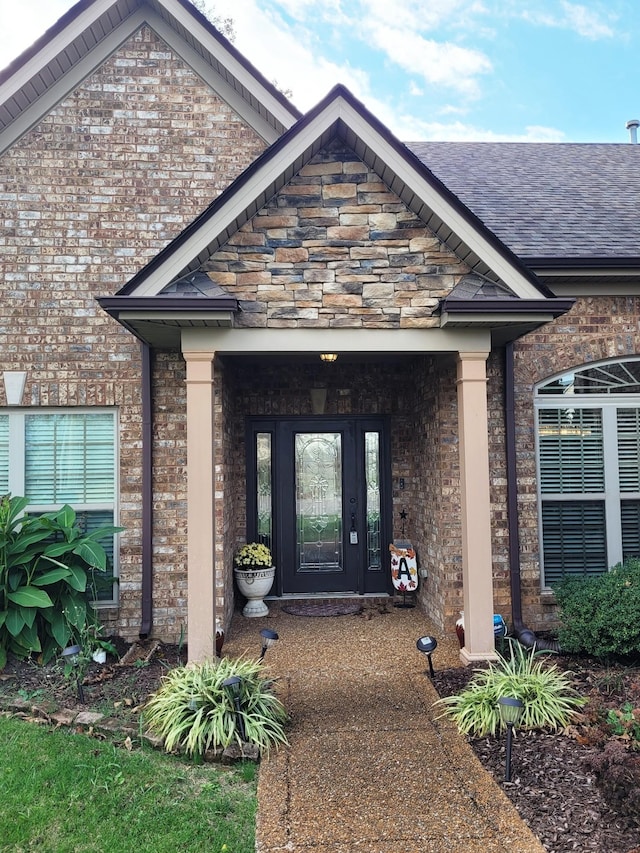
point(335, 248)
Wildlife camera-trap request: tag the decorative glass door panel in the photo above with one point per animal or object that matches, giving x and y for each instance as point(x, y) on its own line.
point(318, 489)
point(320, 499)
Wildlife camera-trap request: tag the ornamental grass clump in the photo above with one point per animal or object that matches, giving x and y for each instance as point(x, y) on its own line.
point(193, 712)
point(550, 701)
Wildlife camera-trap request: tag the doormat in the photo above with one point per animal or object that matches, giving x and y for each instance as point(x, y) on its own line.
point(320, 608)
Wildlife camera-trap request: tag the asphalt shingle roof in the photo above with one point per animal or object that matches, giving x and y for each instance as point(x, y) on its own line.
point(547, 200)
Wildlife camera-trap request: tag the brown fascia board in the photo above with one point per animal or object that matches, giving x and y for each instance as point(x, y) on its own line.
point(113, 305)
point(555, 306)
point(272, 152)
point(82, 5)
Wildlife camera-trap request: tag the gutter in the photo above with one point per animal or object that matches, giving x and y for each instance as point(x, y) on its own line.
point(146, 622)
point(523, 634)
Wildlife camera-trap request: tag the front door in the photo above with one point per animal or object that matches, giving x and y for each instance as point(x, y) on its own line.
point(320, 500)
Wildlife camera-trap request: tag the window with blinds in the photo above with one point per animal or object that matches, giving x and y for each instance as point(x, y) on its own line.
point(57, 458)
point(571, 450)
point(588, 438)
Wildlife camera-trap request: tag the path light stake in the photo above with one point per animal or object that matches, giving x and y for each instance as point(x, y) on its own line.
point(510, 713)
point(427, 645)
point(233, 684)
point(269, 638)
point(71, 655)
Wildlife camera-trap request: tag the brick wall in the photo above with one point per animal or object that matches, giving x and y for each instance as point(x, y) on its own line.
point(88, 196)
point(596, 328)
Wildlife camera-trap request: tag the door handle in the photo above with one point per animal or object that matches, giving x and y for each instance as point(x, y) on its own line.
point(353, 533)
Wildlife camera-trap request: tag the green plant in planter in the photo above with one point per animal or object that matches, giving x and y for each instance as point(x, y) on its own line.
point(45, 563)
point(549, 699)
point(194, 712)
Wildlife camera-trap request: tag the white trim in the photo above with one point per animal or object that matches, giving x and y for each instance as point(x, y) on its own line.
point(342, 340)
point(611, 496)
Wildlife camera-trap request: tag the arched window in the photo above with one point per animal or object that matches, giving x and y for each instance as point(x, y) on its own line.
point(588, 452)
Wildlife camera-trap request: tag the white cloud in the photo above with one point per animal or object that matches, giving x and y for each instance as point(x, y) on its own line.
point(586, 22)
point(440, 63)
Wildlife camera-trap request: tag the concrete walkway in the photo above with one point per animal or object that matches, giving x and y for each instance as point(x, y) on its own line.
point(370, 767)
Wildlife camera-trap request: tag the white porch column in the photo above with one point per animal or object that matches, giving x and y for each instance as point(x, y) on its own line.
point(201, 592)
point(475, 507)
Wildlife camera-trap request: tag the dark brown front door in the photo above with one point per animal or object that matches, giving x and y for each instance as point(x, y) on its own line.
point(321, 502)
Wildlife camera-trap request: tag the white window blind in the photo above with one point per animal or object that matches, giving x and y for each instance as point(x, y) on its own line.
point(571, 450)
point(65, 457)
point(4, 454)
point(69, 458)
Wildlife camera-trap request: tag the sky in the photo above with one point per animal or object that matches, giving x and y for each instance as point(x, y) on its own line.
point(476, 70)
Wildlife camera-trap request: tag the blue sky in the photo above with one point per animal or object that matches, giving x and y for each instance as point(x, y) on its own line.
point(522, 70)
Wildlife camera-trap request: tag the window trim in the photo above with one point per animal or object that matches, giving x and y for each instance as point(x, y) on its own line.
point(17, 469)
point(608, 403)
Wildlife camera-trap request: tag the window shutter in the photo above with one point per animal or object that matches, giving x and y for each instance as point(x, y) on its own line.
point(571, 450)
point(629, 449)
point(574, 539)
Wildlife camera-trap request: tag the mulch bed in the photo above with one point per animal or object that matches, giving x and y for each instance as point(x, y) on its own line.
point(552, 786)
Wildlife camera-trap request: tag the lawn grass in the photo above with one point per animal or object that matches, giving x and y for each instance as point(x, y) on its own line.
point(62, 791)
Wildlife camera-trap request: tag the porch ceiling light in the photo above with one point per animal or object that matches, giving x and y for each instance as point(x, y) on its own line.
point(269, 638)
point(329, 356)
point(427, 645)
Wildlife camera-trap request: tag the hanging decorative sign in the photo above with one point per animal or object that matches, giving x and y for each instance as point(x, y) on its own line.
point(404, 568)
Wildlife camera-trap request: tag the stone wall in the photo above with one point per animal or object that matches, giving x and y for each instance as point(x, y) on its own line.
point(336, 248)
point(88, 196)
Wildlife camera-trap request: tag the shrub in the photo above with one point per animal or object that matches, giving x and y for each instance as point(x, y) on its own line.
point(45, 562)
point(546, 692)
point(192, 711)
point(618, 775)
point(600, 615)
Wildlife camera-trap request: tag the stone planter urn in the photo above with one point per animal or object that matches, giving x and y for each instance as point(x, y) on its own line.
point(254, 575)
point(254, 584)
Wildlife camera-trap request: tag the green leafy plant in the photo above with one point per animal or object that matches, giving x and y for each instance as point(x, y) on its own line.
point(549, 699)
point(600, 616)
point(624, 724)
point(45, 564)
point(192, 711)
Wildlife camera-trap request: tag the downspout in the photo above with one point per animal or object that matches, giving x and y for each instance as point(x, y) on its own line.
point(147, 495)
point(523, 634)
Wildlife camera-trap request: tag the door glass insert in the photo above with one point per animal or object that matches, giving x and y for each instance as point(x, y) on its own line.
point(264, 488)
point(372, 479)
point(318, 496)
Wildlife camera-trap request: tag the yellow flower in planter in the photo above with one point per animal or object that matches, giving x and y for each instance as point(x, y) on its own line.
point(253, 555)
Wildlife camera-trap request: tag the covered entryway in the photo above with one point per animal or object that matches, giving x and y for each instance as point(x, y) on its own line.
point(319, 497)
